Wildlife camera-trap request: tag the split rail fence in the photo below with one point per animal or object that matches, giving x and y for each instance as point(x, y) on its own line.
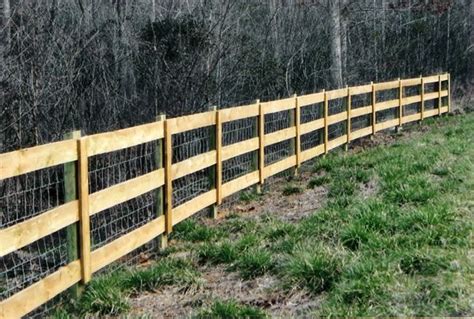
point(207, 157)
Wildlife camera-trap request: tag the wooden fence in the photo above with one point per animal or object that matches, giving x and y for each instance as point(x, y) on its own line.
point(75, 153)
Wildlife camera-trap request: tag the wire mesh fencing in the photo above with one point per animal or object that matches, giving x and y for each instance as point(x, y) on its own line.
point(32, 194)
point(21, 198)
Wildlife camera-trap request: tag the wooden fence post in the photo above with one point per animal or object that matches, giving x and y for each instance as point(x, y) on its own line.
point(440, 103)
point(374, 113)
point(293, 151)
point(326, 126)
point(298, 135)
point(261, 150)
point(168, 180)
point(159, 162)
point(449, 93)
point(349, 124)
point(422, 93)
point(400, 106)
point(84, 220)
point(70, 194)
point(215, 175)
point(255, 156)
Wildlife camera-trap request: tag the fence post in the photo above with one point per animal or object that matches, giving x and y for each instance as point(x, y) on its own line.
point(298, 135)
point(400, 106)
point(449, 93)
point(158, 156)
point(326, 126)
point(84, 220)
point(422, 97)
point(70, 194)
point(261, 149)
point(215, 176)
point(293, 149)
point(374, 113)
point(348, 126)
point(168, 180)
point(255, 156)
point(439, 95)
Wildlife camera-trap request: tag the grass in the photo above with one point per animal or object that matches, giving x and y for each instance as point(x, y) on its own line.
point(107, 295)
point(230, 310)
point(291, 189)
point(399, 250)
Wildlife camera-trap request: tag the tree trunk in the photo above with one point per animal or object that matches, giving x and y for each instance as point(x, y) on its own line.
point(336, 49)
point(6, 17)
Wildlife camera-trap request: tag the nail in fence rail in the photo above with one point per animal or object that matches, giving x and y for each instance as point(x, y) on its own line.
point(82, 203)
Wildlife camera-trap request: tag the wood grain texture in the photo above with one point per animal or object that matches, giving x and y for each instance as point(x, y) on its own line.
point(30, 230)
point(310, 99)
point(240, 148)
point(361, 133)
point(411, 118)
point(193, 164)
point(218, 158)
point(84, 216)
point(360, 111)
point(125, 191)
point(35, 158)
point(280, 166)
point(191, 122)
point(30, 298)
point(239, 112)
point(109, 253)
point(191, 207)
point(386, 85)
point(380, 106)
point(278, 105)
point(312, 126)
point(312, 153)
point(279, 136)
point(336, 94)
point(168, 179)
point(362, 89)
point(125, 138)
point(387, 124)
point(240, 183)
point(336, 118)
point(337, 142)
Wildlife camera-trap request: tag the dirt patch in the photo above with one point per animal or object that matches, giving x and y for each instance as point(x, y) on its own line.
point(219, 284)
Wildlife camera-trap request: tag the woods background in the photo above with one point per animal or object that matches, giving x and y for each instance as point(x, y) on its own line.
point(102, 65)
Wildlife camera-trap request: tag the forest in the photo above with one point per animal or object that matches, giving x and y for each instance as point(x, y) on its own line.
point(103, 65)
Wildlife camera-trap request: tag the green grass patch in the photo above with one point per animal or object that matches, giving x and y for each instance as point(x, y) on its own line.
point(253, 263)
point(190, 230)
point(291, 190)
point(318, 181)
point(230, 309)
point(167, 272)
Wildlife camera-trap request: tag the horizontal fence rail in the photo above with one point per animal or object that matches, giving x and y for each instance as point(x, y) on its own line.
point(192, 163)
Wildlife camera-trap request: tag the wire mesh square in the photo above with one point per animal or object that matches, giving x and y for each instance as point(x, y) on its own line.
point(311, 112)
point(239, 166)
point(239, 130)
point(29, 195)
point(112, 223)
point(113, 168)
point(312, 139)
point(191, 143)
point(278, 121)
point(192, 185)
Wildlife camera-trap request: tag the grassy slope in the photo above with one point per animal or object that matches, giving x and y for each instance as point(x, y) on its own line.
point(401, 248)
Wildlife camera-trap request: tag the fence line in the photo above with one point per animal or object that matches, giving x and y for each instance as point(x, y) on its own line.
point(276, 136)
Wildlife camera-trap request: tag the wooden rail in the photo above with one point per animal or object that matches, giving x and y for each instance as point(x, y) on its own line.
point(77, 152)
